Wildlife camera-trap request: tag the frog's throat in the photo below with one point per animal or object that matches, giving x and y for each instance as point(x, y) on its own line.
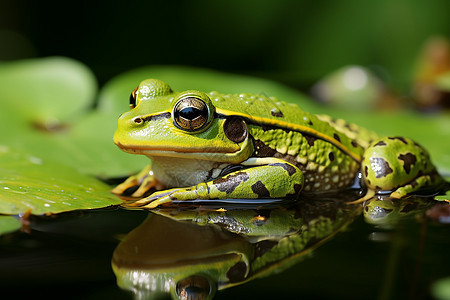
point(210, 154)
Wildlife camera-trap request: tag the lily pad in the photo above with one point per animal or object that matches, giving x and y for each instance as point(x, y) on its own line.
point(9, 224)
point(30, 183)
point(46, 90)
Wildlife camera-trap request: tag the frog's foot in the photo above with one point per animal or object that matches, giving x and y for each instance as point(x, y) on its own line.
point(277, 179)
point(420, 183)
point(163, 197)
point(144, 180)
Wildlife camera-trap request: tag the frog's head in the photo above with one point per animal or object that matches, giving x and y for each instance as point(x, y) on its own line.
point(164, 123)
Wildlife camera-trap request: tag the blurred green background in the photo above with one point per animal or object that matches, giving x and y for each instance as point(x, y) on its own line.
point(295, 42)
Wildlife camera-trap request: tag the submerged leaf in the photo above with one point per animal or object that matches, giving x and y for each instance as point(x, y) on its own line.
point(31, 183)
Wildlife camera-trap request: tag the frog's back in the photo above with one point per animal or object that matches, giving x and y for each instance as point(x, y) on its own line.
point(327, 151)
point(260, 107)
point(271, 112)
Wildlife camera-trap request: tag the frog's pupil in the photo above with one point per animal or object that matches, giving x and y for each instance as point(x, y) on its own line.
point(190, 113)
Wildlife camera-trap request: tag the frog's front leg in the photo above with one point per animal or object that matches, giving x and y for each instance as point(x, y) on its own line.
point(144, 180)
point(276, 179)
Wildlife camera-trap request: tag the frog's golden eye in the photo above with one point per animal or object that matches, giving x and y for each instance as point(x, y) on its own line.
point(190, 113)
point(133, 97)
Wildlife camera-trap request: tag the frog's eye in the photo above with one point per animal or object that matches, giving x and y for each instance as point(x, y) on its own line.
point(133, 97)
point(190, 113)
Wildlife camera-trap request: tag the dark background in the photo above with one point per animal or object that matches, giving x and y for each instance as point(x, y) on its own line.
point(296, 42)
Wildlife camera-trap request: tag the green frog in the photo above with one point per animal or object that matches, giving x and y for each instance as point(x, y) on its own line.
point(246, 146)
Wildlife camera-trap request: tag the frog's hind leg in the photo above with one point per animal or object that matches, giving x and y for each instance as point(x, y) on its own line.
point(276, 179)
point(398, 166)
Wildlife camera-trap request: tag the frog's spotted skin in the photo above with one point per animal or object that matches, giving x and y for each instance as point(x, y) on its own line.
point(220, 146)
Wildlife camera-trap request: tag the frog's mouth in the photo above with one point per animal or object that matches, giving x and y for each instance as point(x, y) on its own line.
point(222, 154)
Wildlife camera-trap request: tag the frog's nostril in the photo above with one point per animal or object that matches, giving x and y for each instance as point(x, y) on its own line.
point(138, 120)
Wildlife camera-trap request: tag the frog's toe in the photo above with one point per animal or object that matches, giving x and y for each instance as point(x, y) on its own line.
point(127, 184)
point(368, 196)
point(156, 199)
point(147, 184)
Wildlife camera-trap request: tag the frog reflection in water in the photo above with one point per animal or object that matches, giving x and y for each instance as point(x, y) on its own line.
point(191, 253)
point(245, 146)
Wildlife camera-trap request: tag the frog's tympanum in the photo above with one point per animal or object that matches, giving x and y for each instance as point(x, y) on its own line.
point(245, 146)
point(190, 254)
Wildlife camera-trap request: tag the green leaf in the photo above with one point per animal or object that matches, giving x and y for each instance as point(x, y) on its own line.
point(46, 90)
point(31, 183)
point(9, 224)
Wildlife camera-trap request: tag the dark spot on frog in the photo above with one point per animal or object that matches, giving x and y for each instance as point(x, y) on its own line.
point(380, 143)
point(263, 149)
point(414, 183)
point(229, 183)
point(366, 171)
point(235, 129)
point(331, 156)
point(290, 169)
point(354, 143)
point(409, 159)
point(227, 170)
point(310, 123)
point(237, 272)
point(310, 139)
point(336, 137)
point(297, 188)
point(398, 138)
point(260, 189)
point(264, 246)
point(380, 167)
point(276, 113)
